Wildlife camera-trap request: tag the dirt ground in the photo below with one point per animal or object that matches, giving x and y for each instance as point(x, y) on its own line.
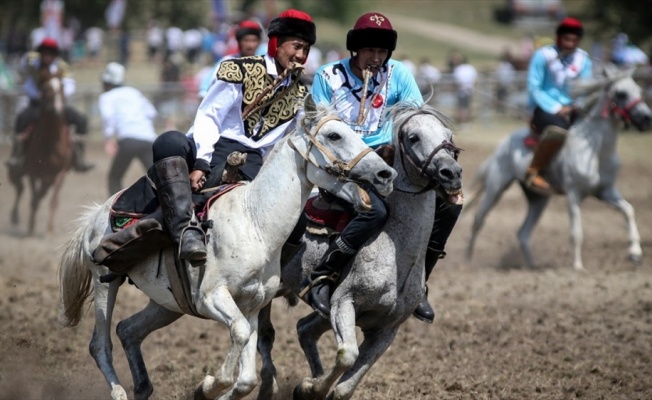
point(502, 331)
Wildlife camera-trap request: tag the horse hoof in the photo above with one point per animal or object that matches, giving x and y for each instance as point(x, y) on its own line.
point(636, 259)
point(199, 394)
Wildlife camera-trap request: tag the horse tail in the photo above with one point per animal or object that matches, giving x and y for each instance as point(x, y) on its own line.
point(75, 276)
point(478, 185)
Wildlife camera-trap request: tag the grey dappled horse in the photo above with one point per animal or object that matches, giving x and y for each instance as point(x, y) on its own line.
point(383, 285)
point(587, 165)
point(242, 271)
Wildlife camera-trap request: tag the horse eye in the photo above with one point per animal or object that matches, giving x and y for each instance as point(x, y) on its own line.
point(334, 136)
point(620, 96)
point(414, 139)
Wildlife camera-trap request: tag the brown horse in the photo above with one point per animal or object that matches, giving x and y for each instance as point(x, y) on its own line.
point(48, 151)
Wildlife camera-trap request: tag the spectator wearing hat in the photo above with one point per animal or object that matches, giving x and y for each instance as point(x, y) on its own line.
point(47, 57)
point(371, 43)
point(127, 119)
point(248, 34)
point(186, 163)
point(551, 70)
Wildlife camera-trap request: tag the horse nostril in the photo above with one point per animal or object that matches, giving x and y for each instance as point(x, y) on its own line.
point(385, 174)
point(447, 174)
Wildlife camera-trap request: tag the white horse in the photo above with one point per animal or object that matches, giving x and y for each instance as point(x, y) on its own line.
point(384, 283)
point(587, 165)
point(242, 272)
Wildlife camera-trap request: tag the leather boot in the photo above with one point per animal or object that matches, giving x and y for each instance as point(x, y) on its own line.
point(552, 140)
point(289, 250)
point(79, 162)
point(172, 181)
point(424, 311)
point(317, 292)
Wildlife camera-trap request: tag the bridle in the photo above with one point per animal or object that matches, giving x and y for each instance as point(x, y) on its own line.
point(623, 112)
point(408, 153)
point(336, 167)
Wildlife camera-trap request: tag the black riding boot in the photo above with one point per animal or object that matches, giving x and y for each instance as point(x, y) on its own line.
point(79, 162)
point(324, 277)
point(173, 188)
point(289, 250)
point(424, 311)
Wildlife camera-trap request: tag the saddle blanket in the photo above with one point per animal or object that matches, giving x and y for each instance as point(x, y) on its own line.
point(325, 218)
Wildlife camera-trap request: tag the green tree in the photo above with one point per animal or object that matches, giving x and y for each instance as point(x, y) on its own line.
point(632, 17)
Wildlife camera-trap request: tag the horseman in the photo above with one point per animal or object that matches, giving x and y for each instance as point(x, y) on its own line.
point(362, 87)
point(249, 107)
point(551, 70)
point(46, 57)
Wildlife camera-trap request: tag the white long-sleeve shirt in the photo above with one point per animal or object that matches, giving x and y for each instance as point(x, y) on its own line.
point(127, 114)
point(220, 114)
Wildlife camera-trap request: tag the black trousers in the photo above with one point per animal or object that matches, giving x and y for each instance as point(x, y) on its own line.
point(365, 224)
point(177, 144)
point(30, 114)
point(543, 119)
point(128, 150)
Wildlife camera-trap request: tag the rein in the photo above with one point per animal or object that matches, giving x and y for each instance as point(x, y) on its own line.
point(433, 182)
point(336, 167)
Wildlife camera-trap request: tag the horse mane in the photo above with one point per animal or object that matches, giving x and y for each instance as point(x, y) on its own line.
point(403, 110)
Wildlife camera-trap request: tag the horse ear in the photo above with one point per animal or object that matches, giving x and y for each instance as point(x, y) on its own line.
point(309, 109)
point(309, 105)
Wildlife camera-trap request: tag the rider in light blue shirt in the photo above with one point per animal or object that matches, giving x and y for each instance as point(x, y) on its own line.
point(551, 70)
point(371, 43)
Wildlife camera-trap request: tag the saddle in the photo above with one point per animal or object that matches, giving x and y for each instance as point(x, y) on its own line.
point(137, 208)
point(531, 141)
point(325, 216)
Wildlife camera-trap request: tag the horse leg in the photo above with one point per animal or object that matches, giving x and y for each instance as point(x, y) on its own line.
point(247, 377)
point(18, 183)
point(343, 322)
point(132, 331)
point(101, 348)
point(490, 197)
point(576, 233)
point(54, 200)
point(266, 337)
point(613, 197)
point(222, 308)
point(374, 345)
point(38, 192)
point(536, 204)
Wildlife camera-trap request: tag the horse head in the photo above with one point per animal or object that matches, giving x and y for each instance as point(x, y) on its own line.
point(424, 139)
point(336, 159)
point(51, 89)
point(621, 96)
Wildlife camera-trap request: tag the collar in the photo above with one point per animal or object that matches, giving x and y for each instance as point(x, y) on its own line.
point(271, 66)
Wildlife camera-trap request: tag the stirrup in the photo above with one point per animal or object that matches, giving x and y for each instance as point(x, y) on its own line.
point(331, 277)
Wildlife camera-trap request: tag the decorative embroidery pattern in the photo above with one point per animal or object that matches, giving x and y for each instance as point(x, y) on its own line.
point(279, 107)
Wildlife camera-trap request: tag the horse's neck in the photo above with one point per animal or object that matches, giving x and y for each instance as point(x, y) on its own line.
point(274, 200)
point(596, 130)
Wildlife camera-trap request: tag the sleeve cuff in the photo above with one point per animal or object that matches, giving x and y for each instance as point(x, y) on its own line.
point(202, 165)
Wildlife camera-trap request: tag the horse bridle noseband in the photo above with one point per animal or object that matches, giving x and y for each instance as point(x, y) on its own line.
point(336, 167)
point(433, 182)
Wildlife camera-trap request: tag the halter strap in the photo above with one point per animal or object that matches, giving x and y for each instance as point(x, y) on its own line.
point(337, 167)
point(447, 145)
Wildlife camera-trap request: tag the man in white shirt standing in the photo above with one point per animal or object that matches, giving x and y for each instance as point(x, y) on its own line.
point(127, 117)
point(464, 75)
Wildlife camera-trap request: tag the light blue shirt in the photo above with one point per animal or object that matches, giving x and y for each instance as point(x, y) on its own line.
point(549, 77)
point(335, 83)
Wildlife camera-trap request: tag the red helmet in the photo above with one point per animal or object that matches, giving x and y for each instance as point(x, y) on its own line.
point(48, 44)
point(570, 25)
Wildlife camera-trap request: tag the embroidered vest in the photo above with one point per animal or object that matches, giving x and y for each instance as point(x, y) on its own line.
point(278, 107)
